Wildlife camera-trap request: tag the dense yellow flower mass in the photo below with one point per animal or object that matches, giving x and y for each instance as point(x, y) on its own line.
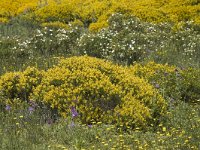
point(100, 91)
point(11, 8)
point(20, 84)
point(96, 12)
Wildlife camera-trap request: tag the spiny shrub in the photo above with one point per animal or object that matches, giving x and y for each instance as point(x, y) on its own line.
point(15, 85)
point(94, 13)
point(12, 8)
point(97, 89)
point(100, 91)
point(174, 83)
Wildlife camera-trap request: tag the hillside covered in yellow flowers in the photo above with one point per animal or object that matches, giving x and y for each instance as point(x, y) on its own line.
point(100, 74)
point(94, 13)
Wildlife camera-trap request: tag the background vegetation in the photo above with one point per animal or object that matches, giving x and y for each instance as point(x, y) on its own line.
point(94, 13)
point(137, 87)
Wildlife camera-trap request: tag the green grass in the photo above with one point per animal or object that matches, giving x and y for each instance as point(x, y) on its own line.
point(21, 129)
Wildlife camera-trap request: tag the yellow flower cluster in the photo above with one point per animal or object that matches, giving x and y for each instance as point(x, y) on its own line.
point(98, 89)
point(55, 24)
point(20, 84)
point(97, 12)
point(11, 8)
point(150, 69)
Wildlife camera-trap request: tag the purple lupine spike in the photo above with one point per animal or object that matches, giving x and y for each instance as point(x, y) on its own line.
point(74, 112)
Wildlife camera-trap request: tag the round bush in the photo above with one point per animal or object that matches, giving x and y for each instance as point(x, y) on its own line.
point(100, 91)
point(97, 89)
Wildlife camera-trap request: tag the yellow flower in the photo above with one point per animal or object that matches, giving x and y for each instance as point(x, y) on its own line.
point(164, 129)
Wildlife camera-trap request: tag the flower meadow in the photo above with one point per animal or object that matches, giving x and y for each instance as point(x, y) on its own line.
point(99, 75)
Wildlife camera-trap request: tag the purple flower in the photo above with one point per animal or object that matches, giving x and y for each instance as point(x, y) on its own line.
point(89, 125)
point(8, 108)
point(31, 109)
point(74, 112)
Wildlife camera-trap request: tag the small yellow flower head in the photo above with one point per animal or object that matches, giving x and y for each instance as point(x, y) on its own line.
point(164, 129)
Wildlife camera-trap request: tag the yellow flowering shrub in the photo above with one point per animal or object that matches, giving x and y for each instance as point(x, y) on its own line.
point(76, 23)
point(11, 8)
point(100, 91)
point(97, 12)
point(20, 84)
point(3, 20)
point(173, 82)
point(97, 26)
point(8, 84)
point(55, 24)
point(55, 12)
point(150, 69)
